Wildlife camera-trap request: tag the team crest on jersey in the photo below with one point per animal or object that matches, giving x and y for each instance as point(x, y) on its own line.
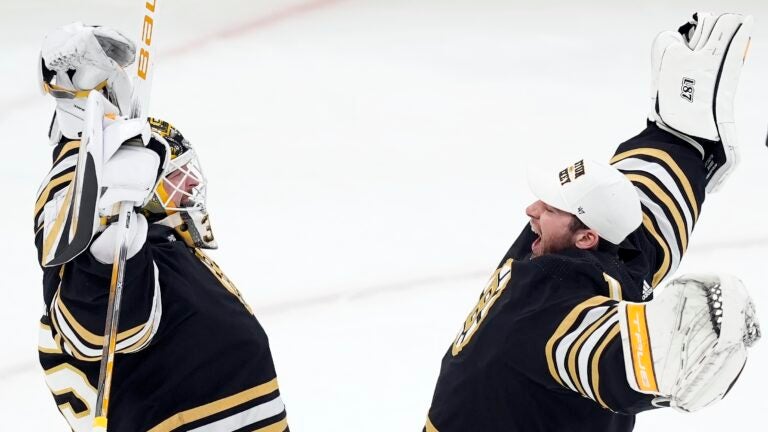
point(572, 172)
point(488, 297)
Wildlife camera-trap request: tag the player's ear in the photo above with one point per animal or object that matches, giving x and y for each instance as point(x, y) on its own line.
point(586, 238)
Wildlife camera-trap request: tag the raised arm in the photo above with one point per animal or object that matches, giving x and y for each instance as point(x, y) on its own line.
point(689, 147)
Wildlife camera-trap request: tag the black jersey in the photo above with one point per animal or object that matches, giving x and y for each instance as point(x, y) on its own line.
point(191, 354)
point(541, 350)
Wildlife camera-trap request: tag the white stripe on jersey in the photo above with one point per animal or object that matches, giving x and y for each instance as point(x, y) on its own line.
point(245, 418)
point(561, 353)
point(586, 352)
point(656, 170)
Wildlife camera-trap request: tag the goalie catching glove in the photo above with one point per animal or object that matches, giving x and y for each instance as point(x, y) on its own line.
point(695, 73)
point(688, 345)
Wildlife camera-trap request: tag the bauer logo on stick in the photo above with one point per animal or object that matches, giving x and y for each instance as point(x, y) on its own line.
point(146, 39)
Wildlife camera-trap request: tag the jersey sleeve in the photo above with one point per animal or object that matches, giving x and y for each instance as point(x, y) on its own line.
point(567, 339)
point(77, 295)
point(670, 176)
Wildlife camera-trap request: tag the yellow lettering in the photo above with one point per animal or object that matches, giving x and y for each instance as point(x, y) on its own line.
point(143, 64)
point(146, 29)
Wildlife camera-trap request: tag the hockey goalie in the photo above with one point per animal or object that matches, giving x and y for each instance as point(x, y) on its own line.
point(568, 335)
point(190, 352)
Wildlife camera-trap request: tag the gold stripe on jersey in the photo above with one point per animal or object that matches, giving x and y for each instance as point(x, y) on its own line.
point(86, 335)
point(576, 346)
point(192, 415)
point(596, 364)
point(665, 263)
point(668, 202)
point(280, 426)
point(564, 326)
point(44, 195)
point(614, 287)
point(223, 279)
point(67, 345)
point(58, 225)
point(430, 427)
point(67, 148)
point(670, 162)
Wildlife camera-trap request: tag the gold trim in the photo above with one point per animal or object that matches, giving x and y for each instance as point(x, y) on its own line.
point(43, 198)
point(67, 147)
point(596, 363)
point(192, 415)
point(218, 273)
point(668, 201)
point(275, 427)
point(576, 346)
point(665, 263)
point(640, 346)
point(76, 94)
point(134, 347)
point(497, 283)
point(56, 341)
point(86, 335)
point(82, 375)
point(430, 427)
point(64, 341)
point(57, 226)
point(87, 410)
point(664, 156)
point(564, 326)
point(614, 287)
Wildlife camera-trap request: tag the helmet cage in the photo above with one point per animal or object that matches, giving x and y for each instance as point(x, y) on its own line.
point(181, 170)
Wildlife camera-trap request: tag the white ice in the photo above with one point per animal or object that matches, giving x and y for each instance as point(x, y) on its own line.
point(367, 164)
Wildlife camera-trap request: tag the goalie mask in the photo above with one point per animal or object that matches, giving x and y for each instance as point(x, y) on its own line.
point(179, 200)
point(76, 59)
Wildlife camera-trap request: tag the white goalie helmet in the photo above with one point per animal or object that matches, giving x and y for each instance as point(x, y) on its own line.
point(76, 59)
point(180, 195)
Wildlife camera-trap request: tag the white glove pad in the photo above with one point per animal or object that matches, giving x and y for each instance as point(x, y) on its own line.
point(688, 79)
point(76, 46)
point(103, 248)
point(694, 82)
point(129, 175)
point(118, 131)
point(688, 345)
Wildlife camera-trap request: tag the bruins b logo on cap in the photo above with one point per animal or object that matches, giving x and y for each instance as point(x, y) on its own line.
point(572, 172)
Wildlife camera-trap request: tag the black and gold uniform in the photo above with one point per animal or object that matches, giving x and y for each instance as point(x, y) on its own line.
point(191, 354)
point(541, 350)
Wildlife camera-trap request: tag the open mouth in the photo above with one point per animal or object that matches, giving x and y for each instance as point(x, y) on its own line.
point(537, 241)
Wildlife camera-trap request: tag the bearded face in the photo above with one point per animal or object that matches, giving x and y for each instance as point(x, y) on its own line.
point(553, 228)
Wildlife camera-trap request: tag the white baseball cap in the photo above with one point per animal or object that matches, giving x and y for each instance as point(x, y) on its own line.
point(596, 193)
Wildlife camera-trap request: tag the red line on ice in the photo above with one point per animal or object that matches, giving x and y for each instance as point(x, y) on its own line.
point(259, 23)
point(268, 20)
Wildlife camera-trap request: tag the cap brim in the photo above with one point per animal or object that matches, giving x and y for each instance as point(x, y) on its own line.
point(545, 185)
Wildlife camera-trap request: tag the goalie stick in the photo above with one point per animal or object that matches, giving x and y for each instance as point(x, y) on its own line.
point(138, 109)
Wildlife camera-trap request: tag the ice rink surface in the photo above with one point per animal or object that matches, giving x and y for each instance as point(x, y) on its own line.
point(367, 168)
